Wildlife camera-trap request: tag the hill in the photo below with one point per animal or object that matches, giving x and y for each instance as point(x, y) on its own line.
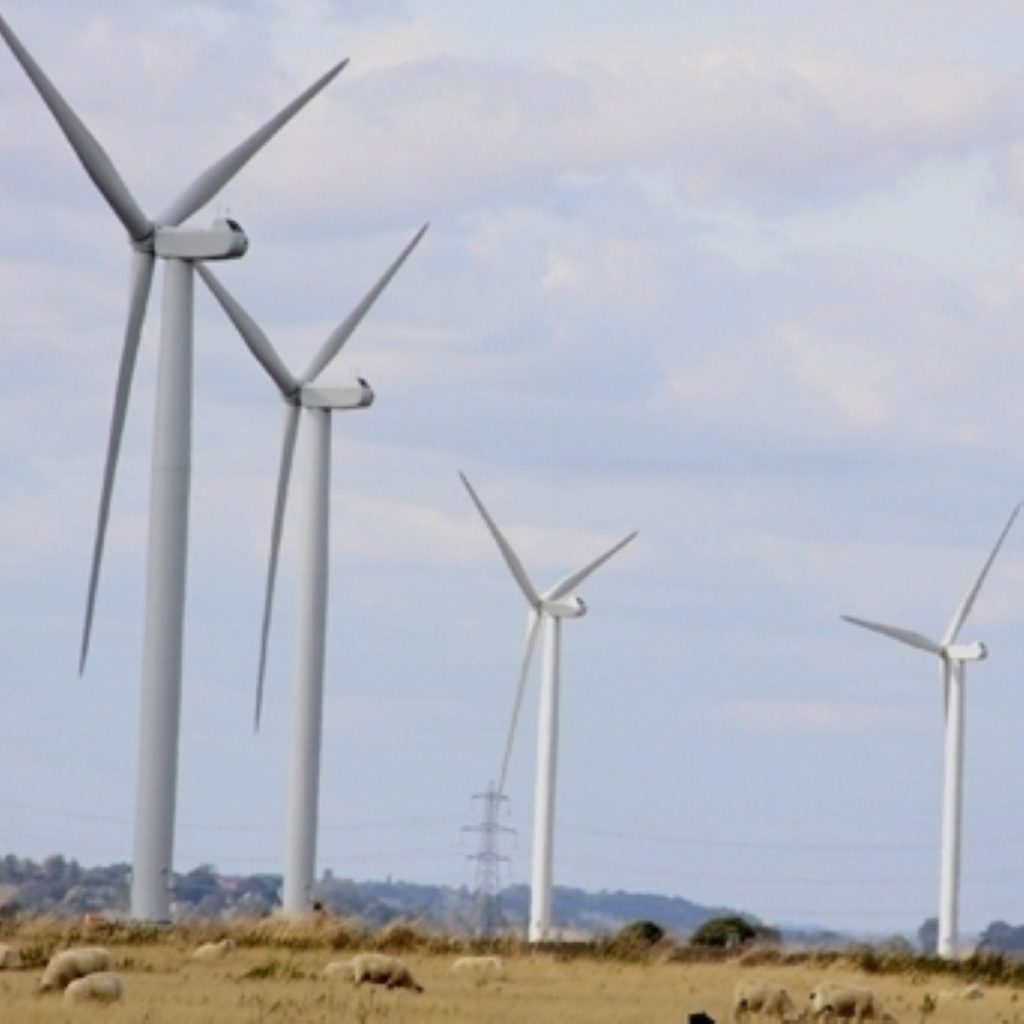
point(63, 887)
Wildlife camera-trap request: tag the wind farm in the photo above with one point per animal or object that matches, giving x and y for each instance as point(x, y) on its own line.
point(181, 249)
point(750, 290)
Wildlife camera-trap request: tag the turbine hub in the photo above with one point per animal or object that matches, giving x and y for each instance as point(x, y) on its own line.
point(967, 652)
point(224, 240)
point(353, 394)
point(565, 608)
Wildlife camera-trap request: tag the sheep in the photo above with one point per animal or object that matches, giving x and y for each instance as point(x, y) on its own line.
point(482, 964)
point(10, 958)
point(213, 950)
point(967, 992)
point(68, 964)
point(378, 969)
point(762, 997)
point(834, 999)
point(102, 987)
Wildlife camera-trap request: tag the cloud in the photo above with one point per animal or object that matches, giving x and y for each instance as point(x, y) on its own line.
point(775, 131)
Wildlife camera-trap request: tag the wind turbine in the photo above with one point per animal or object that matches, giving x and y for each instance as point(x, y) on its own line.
point(546, 609)
point(180, 248)
point(953, 659)
point(316, 402)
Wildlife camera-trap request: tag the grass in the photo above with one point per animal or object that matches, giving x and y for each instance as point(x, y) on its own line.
point(275, 976)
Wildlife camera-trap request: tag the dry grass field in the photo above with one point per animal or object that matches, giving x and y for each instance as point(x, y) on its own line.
point(271, 982)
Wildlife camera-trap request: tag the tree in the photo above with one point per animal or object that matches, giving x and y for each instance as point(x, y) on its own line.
point(928, 935)
point(725, 932)
point(1006, 938)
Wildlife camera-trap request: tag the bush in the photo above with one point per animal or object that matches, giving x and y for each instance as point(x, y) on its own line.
point(634, 940)
point(727, 932)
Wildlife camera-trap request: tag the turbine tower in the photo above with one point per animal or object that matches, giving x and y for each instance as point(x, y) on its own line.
point(953, 659)
point(180, 248)
point(316, 402)
point(545, 610)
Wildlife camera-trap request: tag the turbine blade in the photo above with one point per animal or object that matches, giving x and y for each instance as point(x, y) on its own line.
point(968, 602)
point(559, 590)
point(291, 425)
point(511, 559)
point(214, 178)
point(142, 278)
point(258, 343)
point(344, 330)
point(532, 624)
point(93, 158)
point(903, 635)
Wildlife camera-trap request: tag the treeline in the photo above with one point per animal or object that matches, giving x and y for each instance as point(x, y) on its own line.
point(62, 887)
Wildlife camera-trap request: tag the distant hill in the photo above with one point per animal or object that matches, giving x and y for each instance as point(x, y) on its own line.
point(65, 888)
point(607, 911)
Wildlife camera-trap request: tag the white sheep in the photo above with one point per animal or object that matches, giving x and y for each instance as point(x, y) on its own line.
point(481, 964)
point(763, 998)
point(102, 987)
point(213, 950)
point(831, 1000)
point(378, 969)
point(68, 964)
point(10, 958)
point(967, 992)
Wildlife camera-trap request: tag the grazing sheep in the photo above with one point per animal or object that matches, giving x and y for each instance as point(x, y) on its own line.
point(213, 950)
point(69, 964)
point(378, 969)
point(967, 992)
point(481, 964)
point(763, 998)
point(339, 967)
point(102, 987)
point(831, 1000)
point(10, 958)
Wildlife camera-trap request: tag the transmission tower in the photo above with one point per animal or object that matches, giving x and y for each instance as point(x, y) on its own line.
point(488, 862)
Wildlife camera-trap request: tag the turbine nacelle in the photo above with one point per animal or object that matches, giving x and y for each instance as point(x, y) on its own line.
point(354, 394)
point(224, 240)
point(966, 652)
point(564, 608)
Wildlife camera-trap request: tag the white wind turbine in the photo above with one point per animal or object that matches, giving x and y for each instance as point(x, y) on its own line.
point(316, 402)
point(953, 658)
point(548, 608)
point(180, 248)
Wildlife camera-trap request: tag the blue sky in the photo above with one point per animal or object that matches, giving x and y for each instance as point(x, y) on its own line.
point(746, 278)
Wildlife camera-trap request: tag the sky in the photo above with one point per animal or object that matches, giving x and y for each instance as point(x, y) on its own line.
point(747, 278)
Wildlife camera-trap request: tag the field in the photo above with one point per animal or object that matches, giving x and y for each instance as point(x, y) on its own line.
point(272, 982)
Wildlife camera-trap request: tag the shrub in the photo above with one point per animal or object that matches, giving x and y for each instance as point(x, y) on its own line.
point(634, 940)
point(727, 932)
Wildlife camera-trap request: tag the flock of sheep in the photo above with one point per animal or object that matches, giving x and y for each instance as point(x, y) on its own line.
point(84, 974)
point(828, 1001)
